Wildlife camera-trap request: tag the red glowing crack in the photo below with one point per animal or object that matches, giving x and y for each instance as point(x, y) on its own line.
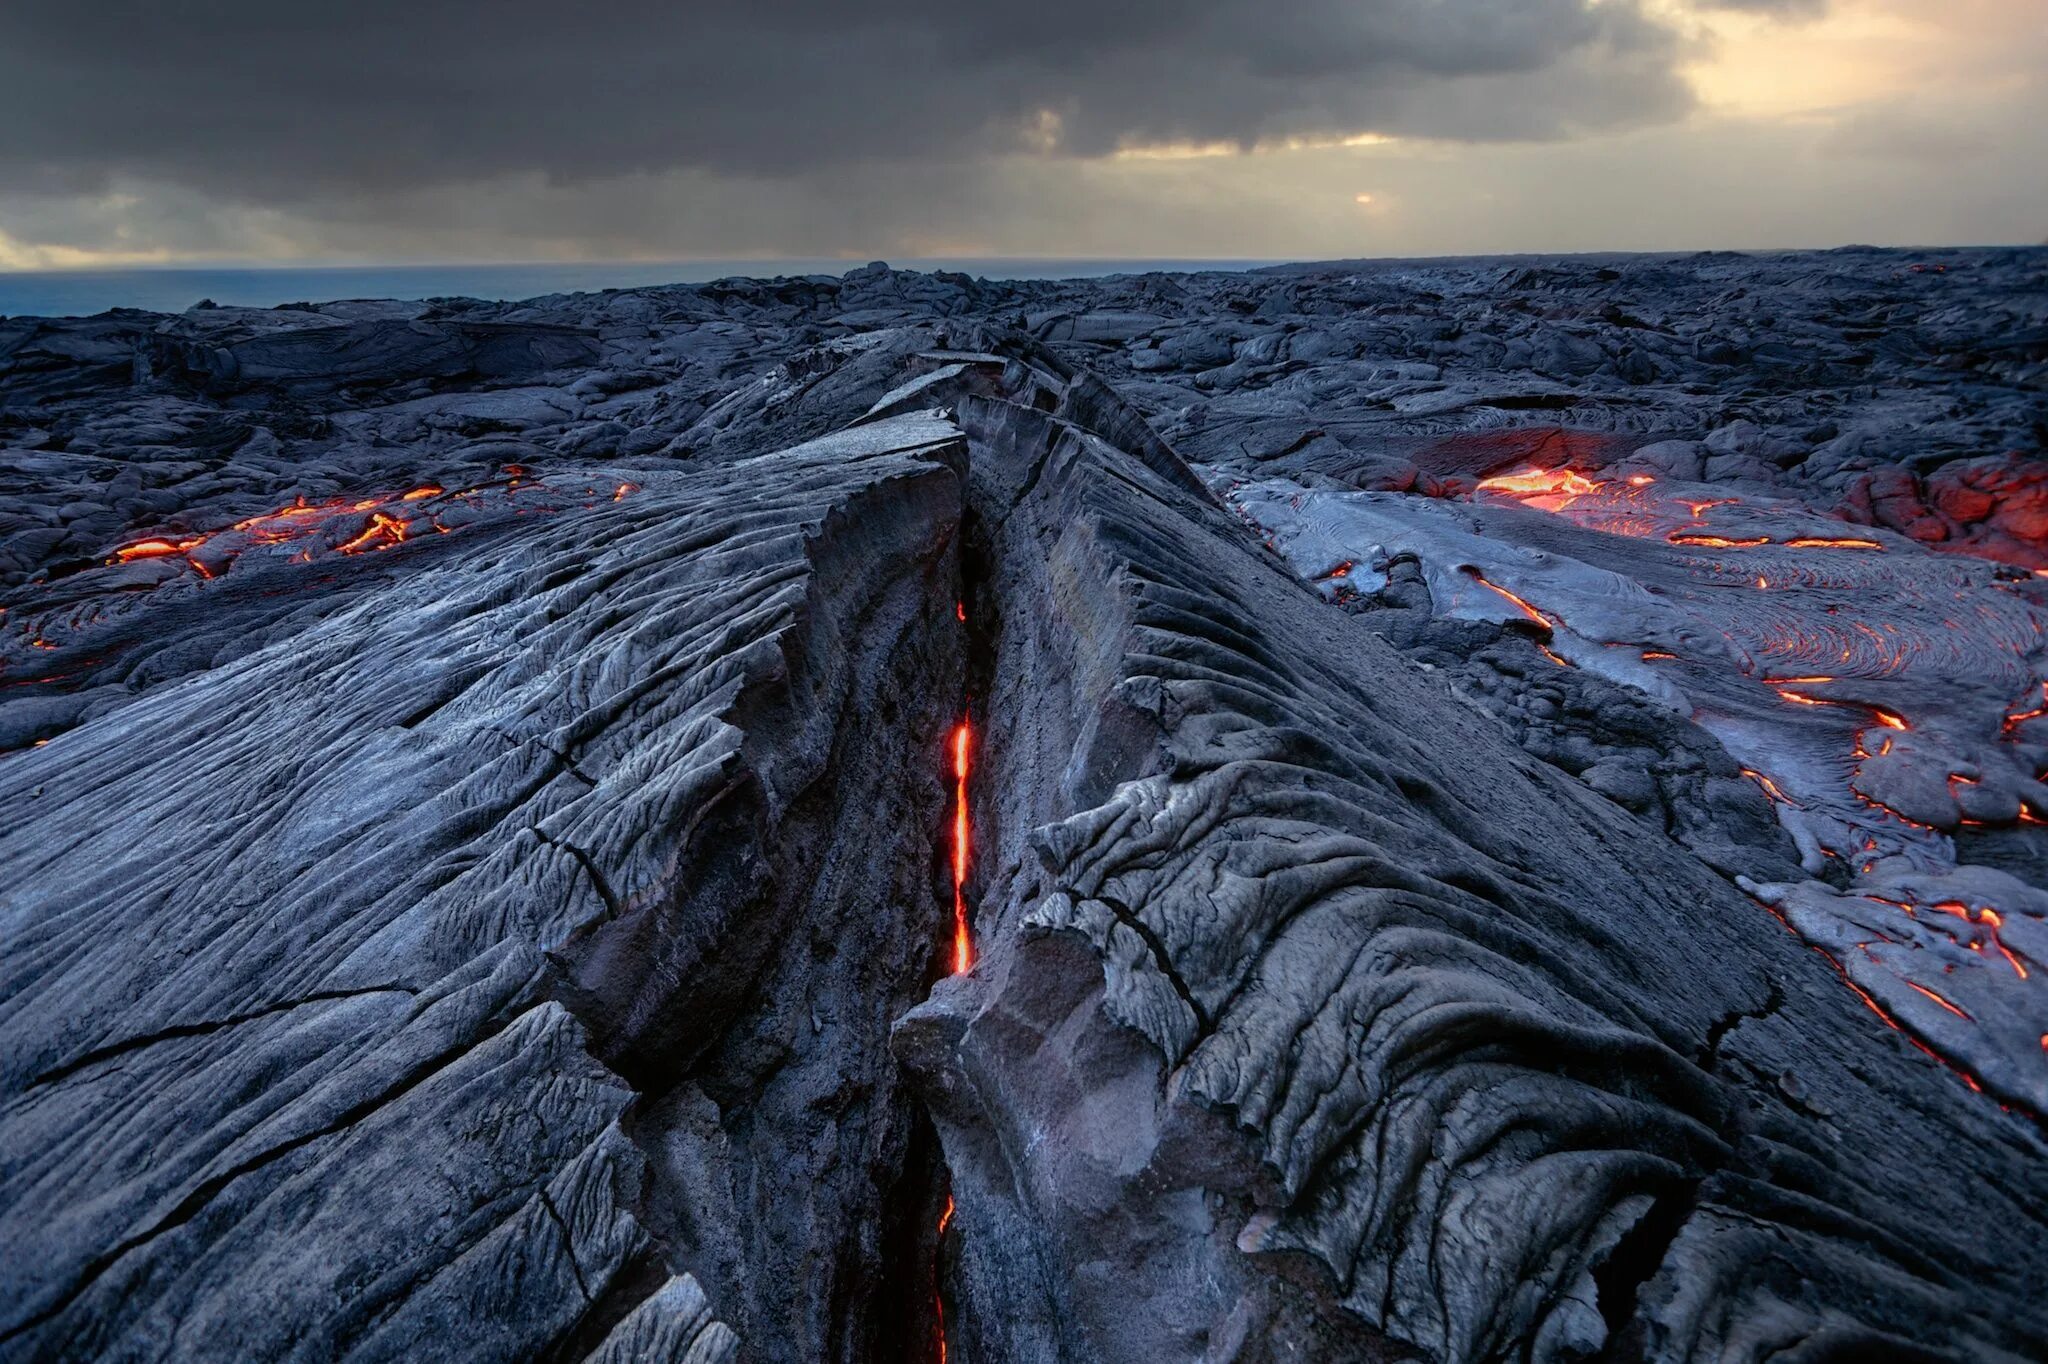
point(963, 940)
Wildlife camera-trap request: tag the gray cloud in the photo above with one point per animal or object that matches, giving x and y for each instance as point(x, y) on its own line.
point(287, 103)
point(1779, 9)
point(521, 130)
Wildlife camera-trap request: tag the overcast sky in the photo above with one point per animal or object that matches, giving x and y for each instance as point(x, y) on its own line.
point(140, 132)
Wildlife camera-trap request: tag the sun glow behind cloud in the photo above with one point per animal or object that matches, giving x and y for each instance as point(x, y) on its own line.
point(1754, 66)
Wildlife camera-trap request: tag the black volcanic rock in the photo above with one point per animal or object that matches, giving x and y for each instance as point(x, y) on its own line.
point(1497, 826)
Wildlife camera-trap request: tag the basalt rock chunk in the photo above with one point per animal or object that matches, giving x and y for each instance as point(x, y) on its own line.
point(348, 984)
point(1317, 1021)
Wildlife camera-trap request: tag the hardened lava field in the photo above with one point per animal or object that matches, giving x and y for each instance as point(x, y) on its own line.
point(1453, 810)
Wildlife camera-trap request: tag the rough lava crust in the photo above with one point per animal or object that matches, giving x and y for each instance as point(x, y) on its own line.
point(1449, 811)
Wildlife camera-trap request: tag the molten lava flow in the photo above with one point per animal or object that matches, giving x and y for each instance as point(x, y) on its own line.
point(2014, 719)
point(383, 532)
point(963, 941)
point(1937, 999)
point(1770, 787)
point(157, 549)
point(938, 1293)
point(1541, 483)
point(1890, 719)
point(1518, 603)
point(304, 520)
point(1700, 539)
point(1987, 918)
point(1832, 542)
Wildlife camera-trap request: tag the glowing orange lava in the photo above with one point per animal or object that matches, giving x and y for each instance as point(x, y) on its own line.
point(1701, 539)
point(1990, 920)
point(296, 521)
point(1831, 542)
point(1518, 603)
point(2014, 719)
point(963, 940)
point(938, 1294)
point(382, 533)
point(1770, 787)
point(1937, 999)
point(157, 549)
point(1541, 482)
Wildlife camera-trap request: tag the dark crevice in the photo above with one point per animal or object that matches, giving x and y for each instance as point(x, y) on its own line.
point(122, 1048)
point(554, 1213)
point(916, 1306)
point(637, 1280)
point(564, 762)
point(1129, 918)
point(568, 764)
point(1641, 1252)
point(1619, 1279)
point(1710, 1052)
point(758, 854)
point(905, 1326)
point(603, 887)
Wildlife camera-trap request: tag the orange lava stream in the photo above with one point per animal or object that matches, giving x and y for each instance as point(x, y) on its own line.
point(1831, 542)
point(1988, 919)
point(1870, 1003)
point(2014, 719)
point(157, 549)
point(293, 522)
point(1700, 539)
point(1914, 985)
point(1517, 602)
point(1559, 490)
point(382, 532)
point(963, 939)
point(302, 519)
point(939, 1297)
point(1542, 483)
point(1770, 787)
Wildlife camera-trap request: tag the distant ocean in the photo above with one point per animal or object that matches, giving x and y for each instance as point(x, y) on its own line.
point(68, 293)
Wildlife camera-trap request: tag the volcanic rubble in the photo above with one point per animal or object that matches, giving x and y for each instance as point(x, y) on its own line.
point(1454, 811)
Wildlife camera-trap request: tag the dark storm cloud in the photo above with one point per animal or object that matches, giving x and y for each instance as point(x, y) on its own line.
point(274, 101)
